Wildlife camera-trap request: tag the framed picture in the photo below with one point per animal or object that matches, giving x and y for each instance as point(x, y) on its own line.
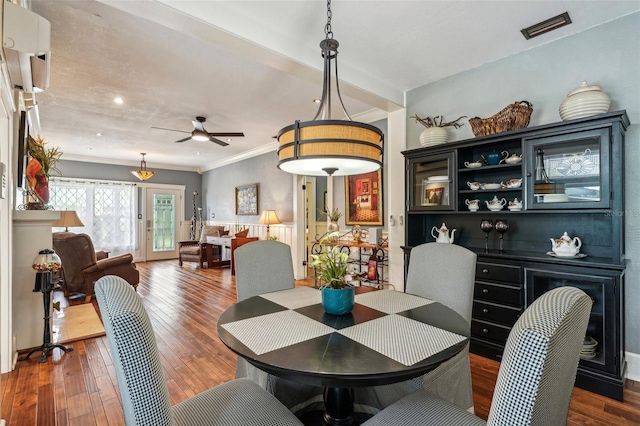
point(247, 199)
point(363, 199)
point(433, 196)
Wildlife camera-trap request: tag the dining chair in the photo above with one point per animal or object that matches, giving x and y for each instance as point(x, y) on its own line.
point(143, 390)
point(444, 273)
point(536, 375)
point(261, 267)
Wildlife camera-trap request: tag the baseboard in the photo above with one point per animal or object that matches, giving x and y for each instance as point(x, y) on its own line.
point(633, 366)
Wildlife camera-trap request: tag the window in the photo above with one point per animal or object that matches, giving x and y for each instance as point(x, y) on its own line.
point(107, 210)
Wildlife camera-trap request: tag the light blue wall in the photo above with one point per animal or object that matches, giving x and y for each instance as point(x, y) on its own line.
point(82, 170)
point(609, 56)
point(275, 189)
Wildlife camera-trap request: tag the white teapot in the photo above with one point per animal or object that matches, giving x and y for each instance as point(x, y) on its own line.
point(496, 204)
point(442, 234)
point(566, 246)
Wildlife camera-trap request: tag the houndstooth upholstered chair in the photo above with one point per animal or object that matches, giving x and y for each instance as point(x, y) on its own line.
point(536, 375)
point(261, 267)
point(142, 386)
point(444, 273)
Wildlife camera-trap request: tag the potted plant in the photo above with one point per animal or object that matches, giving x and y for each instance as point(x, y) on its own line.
point(333, 216)
point(436, 132)
point(39, 168)
point(331, 267)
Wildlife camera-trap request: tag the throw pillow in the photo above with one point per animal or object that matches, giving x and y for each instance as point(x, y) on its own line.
point(243, 233)
point(209, 231)
point(223, 233)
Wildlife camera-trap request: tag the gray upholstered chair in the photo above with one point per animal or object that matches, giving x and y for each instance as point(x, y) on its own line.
point(261, 267)
point(444, 273)
point(536, 375)
point(143, 390)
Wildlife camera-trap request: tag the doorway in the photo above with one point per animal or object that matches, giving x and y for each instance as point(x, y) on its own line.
point(163, 210)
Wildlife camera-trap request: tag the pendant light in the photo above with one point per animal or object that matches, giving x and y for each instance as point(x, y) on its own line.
point(143, 174)
point(329, 147)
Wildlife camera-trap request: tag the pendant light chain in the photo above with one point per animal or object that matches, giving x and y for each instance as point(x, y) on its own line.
point(327, 28)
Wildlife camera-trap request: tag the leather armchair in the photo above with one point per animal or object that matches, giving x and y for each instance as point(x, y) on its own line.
point(200, 251)
point(82, 268)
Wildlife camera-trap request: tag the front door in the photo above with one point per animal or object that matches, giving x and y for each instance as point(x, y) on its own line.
point(162, 223)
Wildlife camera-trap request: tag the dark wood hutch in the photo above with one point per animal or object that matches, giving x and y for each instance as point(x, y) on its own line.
point(572, 181)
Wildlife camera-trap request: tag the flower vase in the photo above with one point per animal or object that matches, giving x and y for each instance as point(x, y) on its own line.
point(338, 301)
point(333, 227)
point(39, 194)
point(433, 136)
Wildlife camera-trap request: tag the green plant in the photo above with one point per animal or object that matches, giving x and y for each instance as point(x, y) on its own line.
point(47, 157)
point(438, 121)
point(333, 215)
point(331, 265)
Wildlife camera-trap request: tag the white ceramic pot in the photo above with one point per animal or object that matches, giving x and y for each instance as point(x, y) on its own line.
point(584, 101)
point(433, 136)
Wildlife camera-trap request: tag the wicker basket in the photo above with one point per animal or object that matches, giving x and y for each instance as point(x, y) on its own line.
point(512, 117)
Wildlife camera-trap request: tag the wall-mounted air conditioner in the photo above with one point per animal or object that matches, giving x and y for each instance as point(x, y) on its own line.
point(27, 48)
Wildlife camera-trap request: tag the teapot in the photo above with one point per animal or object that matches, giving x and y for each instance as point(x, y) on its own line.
point(514, 183)
point(494, 157)
point(496, 204)
point(442, 234)
point(566, 246)
point(515, 205)
point(473, 204)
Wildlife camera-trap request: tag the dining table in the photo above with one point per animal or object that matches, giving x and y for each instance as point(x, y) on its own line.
point(388, 337)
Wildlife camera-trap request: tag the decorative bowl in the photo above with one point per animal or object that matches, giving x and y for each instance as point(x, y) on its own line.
point(584, 101)
point(491, 185)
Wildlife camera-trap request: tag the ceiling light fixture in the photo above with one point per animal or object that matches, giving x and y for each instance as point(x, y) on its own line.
point(325, 146)
point(546, 26)
point(143, 174)
point(118, 100)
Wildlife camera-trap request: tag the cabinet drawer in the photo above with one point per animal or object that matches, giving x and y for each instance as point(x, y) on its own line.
point(488, 331)
point(498, 293)
point(495, 313)
point(500, 273)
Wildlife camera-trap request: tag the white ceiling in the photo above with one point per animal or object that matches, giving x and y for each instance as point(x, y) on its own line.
point(254, 66)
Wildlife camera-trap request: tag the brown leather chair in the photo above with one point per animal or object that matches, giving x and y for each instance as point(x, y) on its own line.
point(82, 268)
point(200, 251)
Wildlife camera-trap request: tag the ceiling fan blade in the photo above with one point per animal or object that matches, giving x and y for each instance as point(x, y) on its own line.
point(171, 130)
point(218, 141)
point(227, 134)
point(198, 125)
point(184, 140)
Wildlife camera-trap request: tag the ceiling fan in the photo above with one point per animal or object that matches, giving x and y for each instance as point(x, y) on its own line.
point(200, 134)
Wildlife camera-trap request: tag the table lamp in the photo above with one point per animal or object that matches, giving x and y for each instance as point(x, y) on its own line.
point(68, 218)
point(46, 262)
point(269, 217)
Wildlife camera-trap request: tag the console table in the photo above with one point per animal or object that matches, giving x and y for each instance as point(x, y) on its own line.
point(230, 243)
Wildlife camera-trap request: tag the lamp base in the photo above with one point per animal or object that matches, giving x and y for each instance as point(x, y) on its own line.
point(45, 348)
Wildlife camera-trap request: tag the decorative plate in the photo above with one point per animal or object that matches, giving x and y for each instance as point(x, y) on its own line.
point(575, 166)
point(577, 256)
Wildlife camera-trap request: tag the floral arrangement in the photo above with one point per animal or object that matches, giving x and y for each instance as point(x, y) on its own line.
point(47, 157)
point(438, 121)
point(41, 165)
point(333, 215)
point(331, 265)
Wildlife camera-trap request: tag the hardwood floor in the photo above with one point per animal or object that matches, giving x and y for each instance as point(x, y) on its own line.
point(79, 388)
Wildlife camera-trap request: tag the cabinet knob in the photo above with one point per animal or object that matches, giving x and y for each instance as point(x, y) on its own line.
point(485, 271)
point(485, 331)
point(485, 310)
point(485, 290)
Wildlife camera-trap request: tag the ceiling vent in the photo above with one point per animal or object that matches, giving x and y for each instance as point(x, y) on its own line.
point(27, 48)
point(546, 26)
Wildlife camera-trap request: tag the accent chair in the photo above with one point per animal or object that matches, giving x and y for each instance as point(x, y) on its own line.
point(536, 375)
point(143, 389)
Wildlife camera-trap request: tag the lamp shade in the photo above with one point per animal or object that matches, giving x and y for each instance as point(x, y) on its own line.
point(143, 174)
point(333, 147)
point(269, 217)
point(68, 218)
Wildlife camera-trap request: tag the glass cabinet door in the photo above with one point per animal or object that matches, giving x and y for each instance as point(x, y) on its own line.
point(568, 171)
point(430, 182)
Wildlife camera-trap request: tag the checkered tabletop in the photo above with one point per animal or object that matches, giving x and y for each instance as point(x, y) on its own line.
point(387, 333)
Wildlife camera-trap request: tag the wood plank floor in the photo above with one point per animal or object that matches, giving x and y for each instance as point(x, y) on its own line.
point(79, 388)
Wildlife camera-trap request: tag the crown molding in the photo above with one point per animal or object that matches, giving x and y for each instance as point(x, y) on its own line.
point(270, 147)
point(113, 161)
